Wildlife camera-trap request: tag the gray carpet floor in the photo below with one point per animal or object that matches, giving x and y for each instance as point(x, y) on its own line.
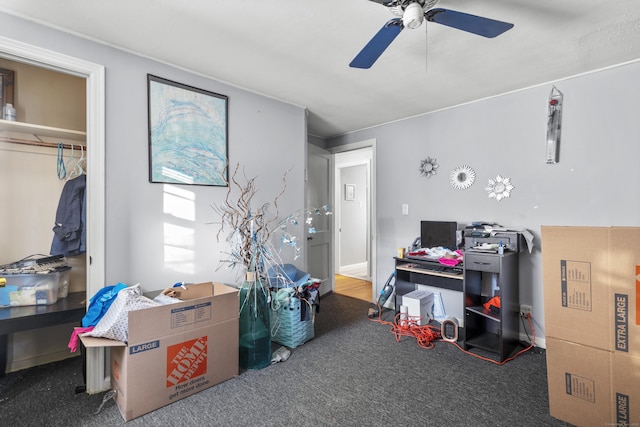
point(353, 373)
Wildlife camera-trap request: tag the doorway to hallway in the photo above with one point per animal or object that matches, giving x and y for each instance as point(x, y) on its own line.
point(355, 213)
point(361, 269)
point(353, 210)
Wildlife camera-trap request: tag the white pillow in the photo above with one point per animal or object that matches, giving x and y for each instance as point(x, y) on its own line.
point(115, 322)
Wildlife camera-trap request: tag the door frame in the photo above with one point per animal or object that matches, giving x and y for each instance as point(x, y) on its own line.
point(369, 143)
point(96, 379)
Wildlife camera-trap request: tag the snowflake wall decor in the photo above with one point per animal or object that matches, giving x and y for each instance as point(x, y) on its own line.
point(428, 167)
point(462, 177)
point(499, 188)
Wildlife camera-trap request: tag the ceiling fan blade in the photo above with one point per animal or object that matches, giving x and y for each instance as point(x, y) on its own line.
point(378, 44)
point(470, 23)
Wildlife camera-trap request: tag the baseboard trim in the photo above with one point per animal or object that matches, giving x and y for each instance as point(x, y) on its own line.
point(358, 271)
point(18, 365)
point(540, 342)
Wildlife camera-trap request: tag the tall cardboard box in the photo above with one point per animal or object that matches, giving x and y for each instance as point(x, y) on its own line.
point(592, 296)
point(591, 286)
point(175, 350)
point(592, 387)
point(625, 389)
point(624, 243)
point(579, 382)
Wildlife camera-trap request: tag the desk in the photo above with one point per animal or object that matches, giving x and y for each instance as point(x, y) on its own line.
point(23, 318)
point(439, 278)
point(464, 290)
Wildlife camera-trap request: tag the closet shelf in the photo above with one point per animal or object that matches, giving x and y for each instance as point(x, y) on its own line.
point(40, 131)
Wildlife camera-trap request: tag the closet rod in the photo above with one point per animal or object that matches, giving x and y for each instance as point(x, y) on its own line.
point(39, 143)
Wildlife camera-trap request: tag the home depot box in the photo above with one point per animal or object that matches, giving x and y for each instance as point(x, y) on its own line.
point(174, 350)
point(590, 386)
point(591, 284)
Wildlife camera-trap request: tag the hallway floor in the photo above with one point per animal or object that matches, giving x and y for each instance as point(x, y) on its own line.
point(352, 287)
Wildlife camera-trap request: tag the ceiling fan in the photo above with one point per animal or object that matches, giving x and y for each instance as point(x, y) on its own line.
point(412, 13)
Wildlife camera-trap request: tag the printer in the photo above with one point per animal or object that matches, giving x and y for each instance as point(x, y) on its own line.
point(477, 236)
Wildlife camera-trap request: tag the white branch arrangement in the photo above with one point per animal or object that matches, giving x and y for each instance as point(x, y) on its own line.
point(249, 231)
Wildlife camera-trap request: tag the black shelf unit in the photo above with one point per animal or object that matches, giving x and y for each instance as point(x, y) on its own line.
point(487, 275)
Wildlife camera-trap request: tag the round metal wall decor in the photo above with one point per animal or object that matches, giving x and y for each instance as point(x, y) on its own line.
point(428, 167)
point(499, 188)
point(462, 177)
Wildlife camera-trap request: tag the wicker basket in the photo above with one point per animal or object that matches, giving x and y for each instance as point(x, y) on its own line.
point(287, 328)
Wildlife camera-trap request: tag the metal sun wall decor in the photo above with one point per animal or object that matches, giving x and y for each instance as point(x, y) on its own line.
point(554, 125)
point(428, 167)
point(499, 188)
point(462, 177)
point(188, 130)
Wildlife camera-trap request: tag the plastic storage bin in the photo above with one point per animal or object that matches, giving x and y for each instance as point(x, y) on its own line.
point(63, 281)
point(287, 328)
point(34, 288)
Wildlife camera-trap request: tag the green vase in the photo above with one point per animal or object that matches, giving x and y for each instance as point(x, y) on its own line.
point(255, 331)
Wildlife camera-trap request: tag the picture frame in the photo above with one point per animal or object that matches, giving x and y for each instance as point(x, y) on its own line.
point(7, 78)
point(349, 191)
point(188, 134)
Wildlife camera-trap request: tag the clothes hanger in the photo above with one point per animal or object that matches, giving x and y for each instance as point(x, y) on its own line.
point(77, 163)
point(81, 163)
point(62, 170)
point(69, 165)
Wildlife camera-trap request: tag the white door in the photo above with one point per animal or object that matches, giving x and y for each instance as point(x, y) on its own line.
point(319, 244)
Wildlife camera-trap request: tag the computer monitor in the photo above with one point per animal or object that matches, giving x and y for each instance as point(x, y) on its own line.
point(438, 233)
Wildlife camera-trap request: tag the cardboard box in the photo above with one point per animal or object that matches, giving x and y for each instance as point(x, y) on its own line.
point(625, 389)
point(591, 386)
point(419, 305)
point(579, 383)
point(446, 303)
point(592, 296)
point(591, 286)
point(175, 350)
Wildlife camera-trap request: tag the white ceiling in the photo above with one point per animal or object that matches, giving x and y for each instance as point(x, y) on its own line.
point(299, 51)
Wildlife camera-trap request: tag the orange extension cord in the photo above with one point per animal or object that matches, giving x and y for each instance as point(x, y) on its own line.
point(427, 335)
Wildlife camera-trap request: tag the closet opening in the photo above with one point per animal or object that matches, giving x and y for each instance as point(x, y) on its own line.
point(42, 147)
point(92, 78)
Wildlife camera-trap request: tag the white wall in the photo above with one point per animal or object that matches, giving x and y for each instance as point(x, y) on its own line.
point(147, 241)
point(266, 136)
point(593, 184)
point(353, 216)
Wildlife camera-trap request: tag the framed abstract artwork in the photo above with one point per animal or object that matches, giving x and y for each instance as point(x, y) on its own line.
point(188, 134)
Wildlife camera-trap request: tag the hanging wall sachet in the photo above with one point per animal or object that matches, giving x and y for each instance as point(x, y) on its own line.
point(554, 124)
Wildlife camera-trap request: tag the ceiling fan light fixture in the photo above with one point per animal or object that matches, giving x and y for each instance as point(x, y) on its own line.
point(413, 16)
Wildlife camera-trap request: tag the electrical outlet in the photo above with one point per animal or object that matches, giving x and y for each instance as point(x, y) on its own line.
point(525, 310)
